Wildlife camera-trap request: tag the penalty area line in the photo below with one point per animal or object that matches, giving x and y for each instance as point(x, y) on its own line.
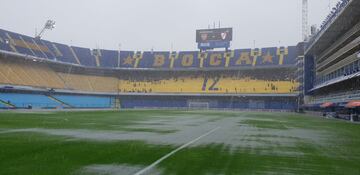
point(174, 151)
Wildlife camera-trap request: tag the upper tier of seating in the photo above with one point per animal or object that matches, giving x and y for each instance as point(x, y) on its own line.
point(238, 58)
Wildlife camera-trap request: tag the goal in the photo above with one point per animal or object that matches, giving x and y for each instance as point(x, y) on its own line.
point(198, 105)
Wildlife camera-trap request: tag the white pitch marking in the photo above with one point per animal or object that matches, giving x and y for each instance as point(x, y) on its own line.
point(173, 152)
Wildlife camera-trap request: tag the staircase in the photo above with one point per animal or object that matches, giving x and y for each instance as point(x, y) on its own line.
point(115, 103)
point(7, 104)
point(65, 105)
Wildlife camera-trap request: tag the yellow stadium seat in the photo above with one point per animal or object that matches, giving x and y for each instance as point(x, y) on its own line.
point(41, 75)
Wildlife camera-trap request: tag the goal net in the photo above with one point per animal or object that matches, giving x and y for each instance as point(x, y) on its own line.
point(198, 105)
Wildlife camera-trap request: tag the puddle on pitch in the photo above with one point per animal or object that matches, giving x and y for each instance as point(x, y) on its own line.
point(114, 169)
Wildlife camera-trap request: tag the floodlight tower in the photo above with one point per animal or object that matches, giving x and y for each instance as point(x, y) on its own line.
point(305, 16)
point(49, 25)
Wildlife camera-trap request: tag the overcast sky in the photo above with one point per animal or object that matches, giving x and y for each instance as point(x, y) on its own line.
point(159, 24)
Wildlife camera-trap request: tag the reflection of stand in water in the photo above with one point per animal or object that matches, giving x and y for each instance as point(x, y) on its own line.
point(231, 104)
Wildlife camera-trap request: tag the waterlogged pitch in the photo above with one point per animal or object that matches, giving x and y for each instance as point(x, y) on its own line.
point(176, 142)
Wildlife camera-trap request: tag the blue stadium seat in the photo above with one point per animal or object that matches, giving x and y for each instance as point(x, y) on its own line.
point(268, 58)
point(66, 55)
point(179, 63)
point(109, 58)
point(48, 52)
point(30, 42)
point(85, 101)
point(2, 106)
point(124, 55)
point(20, 49)
point(290, 59)
point(239, 61)
point(52, 52)
point(84, 55)
point(147, 61)
point(219, 57)
point(23, 100)
point(4, 42)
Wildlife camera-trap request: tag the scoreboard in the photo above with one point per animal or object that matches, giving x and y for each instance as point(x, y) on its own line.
point(214, 38)
point(211, 35)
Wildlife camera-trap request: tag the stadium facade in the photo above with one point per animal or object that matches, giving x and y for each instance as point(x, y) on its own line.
point(36, 73)
point(331, 65)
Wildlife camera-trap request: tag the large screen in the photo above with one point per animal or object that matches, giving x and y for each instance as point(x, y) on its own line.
point(214, 35)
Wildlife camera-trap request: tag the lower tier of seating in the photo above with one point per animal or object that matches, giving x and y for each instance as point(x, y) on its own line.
point(23, 100)
point(80, 101)
point(252, 103)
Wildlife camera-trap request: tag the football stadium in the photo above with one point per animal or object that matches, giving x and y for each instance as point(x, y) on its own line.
point(212, 110)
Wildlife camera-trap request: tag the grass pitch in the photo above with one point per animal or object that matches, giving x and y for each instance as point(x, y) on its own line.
point(126, 142)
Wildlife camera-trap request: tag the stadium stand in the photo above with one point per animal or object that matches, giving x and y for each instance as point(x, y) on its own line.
point(109, 58)
point(26, 101)
point(18, 44)
point(52, 52)
point(20, 100)
point(65, 53)
point(54, 68)
point(221, 84)
point(28, 74)
point(2, 106)
point(89, 83)
point(4, 42)
point(332, 66)
point(238, 58)
point(340, 6)
point(42, 76)
point(40, 47)
point(31, 44)
point(80, 101)
point(84, 56)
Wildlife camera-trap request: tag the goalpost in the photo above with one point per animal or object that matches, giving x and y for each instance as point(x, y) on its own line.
point(198, 105)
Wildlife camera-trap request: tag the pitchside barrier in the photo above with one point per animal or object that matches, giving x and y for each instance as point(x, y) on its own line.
point(210, 109)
